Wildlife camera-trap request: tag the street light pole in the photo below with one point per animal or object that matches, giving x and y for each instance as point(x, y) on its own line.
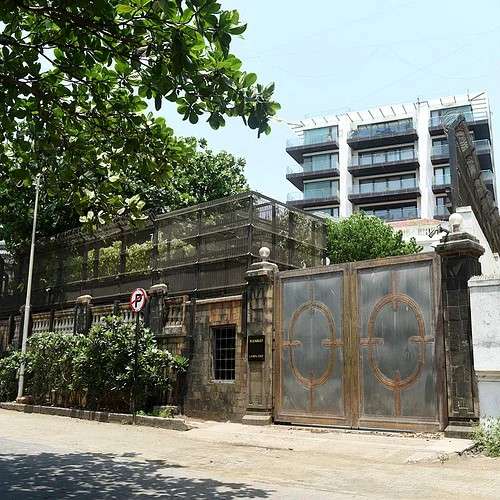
point(27, 307)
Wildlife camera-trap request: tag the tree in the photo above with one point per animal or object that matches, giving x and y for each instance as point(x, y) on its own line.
point(205, 176)
point(362, 237)
point(77, 76)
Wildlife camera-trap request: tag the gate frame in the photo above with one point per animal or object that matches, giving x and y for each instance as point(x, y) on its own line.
point(351, 353)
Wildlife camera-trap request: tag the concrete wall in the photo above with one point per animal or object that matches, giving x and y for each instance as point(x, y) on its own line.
point(206, 397)
point(490, 265)
point(485, 316)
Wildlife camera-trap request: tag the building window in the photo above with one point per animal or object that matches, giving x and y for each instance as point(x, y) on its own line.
point(383, 184)
point(321, 162)
point(384, 128)
point(457, 110)
point(442, 175)
point(320, 135)
point(401, 212)
point(224, 352)
point(320, 189)
point(331, 211)
point(386, 155)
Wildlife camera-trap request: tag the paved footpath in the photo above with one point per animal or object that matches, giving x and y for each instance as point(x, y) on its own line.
point(55, 458)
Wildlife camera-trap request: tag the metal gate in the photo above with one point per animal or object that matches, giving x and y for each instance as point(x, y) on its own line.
point(360, 345)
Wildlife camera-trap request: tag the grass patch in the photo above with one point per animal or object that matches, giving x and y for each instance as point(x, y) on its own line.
point(487, 437)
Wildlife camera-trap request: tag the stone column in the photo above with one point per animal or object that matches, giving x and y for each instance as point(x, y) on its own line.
point(83, 314)
point(260, 333)
point(156, 311)
point(460, 254)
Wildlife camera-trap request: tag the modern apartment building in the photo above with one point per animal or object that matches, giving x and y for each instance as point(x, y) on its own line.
point(391, 161)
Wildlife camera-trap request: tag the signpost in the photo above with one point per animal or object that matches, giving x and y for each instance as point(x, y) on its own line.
point(256, 348)
point(138, 300)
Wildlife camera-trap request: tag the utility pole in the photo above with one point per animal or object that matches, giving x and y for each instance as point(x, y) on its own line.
point(27, 308)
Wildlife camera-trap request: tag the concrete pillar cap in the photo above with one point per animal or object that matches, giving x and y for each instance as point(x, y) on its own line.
point(84, 299)
point(158, 288)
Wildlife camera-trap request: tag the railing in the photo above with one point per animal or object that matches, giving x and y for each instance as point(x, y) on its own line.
point(306, 140)
point(440, 150)
point(313, 194)
point(482, 146)
point(395, 214)
point(441, 180)
point(382, 130)
point(307, 169)
point(404, 185)
point(470, 117)
point(381, 158)
point(441, 210)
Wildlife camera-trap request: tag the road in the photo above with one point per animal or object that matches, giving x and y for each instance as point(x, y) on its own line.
point(55, 458)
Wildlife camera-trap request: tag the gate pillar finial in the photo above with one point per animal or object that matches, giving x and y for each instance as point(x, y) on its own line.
point(260, 330)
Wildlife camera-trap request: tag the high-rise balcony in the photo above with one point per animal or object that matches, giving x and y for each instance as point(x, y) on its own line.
point(483, 152)
point(313, 197)
point(394, 213)
point(441, 212)
point(441, 183)
point(488, 178)
point(297, 174)
point(384, 163)
point(476, 121)
point(382, 134)
point(440, 153)
point(381, 192)
point(296, 147)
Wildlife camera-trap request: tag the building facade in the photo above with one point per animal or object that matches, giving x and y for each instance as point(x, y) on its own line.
point(392, 161)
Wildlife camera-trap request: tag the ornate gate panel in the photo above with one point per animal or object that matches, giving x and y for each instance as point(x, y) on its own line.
point(310, 355)
point(399, 377)
point(359, 345)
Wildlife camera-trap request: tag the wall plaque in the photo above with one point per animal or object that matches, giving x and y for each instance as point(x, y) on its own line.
point(256, 348)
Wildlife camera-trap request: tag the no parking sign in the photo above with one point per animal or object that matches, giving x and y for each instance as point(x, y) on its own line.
point(138, 299)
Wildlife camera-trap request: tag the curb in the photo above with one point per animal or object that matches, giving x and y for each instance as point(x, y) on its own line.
point(175, 423)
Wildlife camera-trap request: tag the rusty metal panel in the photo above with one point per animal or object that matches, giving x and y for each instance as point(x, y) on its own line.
point(360, 345)
point(396, 325)
point(310, 349)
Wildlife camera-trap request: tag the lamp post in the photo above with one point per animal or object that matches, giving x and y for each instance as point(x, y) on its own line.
point(27, 307)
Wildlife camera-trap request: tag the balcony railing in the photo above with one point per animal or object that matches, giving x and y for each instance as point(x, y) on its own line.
point(440, 150)
point(400, 187)
point(441, 180)
point(382, 158)
point(308, 169)
point(403, 213)
point(482, 146)
point(470, 117)
point(313, 194)
point(441, 211)
point(306, 140)
point(382, 130)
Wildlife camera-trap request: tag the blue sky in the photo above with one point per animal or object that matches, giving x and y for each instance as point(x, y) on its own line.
point(332, 55)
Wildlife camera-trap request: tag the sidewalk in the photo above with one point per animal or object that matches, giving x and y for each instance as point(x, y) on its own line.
point(227, 460)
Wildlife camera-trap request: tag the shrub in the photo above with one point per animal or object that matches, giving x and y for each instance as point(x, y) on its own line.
point(9, 367)
point(487, 436)
point(363, 237)
point(94, 371)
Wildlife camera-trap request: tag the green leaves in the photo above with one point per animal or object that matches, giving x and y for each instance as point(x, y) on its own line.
point(76, 83)
point(362, 237)
point(96, 369)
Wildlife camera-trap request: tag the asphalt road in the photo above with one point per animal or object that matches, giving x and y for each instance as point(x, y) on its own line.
point(57, 458)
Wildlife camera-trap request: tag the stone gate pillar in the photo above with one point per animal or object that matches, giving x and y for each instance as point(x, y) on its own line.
point(260, 332)
point(83, 314)
point(460, 252)
point(156, 310)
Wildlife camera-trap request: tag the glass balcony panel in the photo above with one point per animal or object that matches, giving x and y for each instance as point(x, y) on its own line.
point(482, 146)
point(440, 150)
point(442, 180)
point(394, 184)
point(441, 210)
